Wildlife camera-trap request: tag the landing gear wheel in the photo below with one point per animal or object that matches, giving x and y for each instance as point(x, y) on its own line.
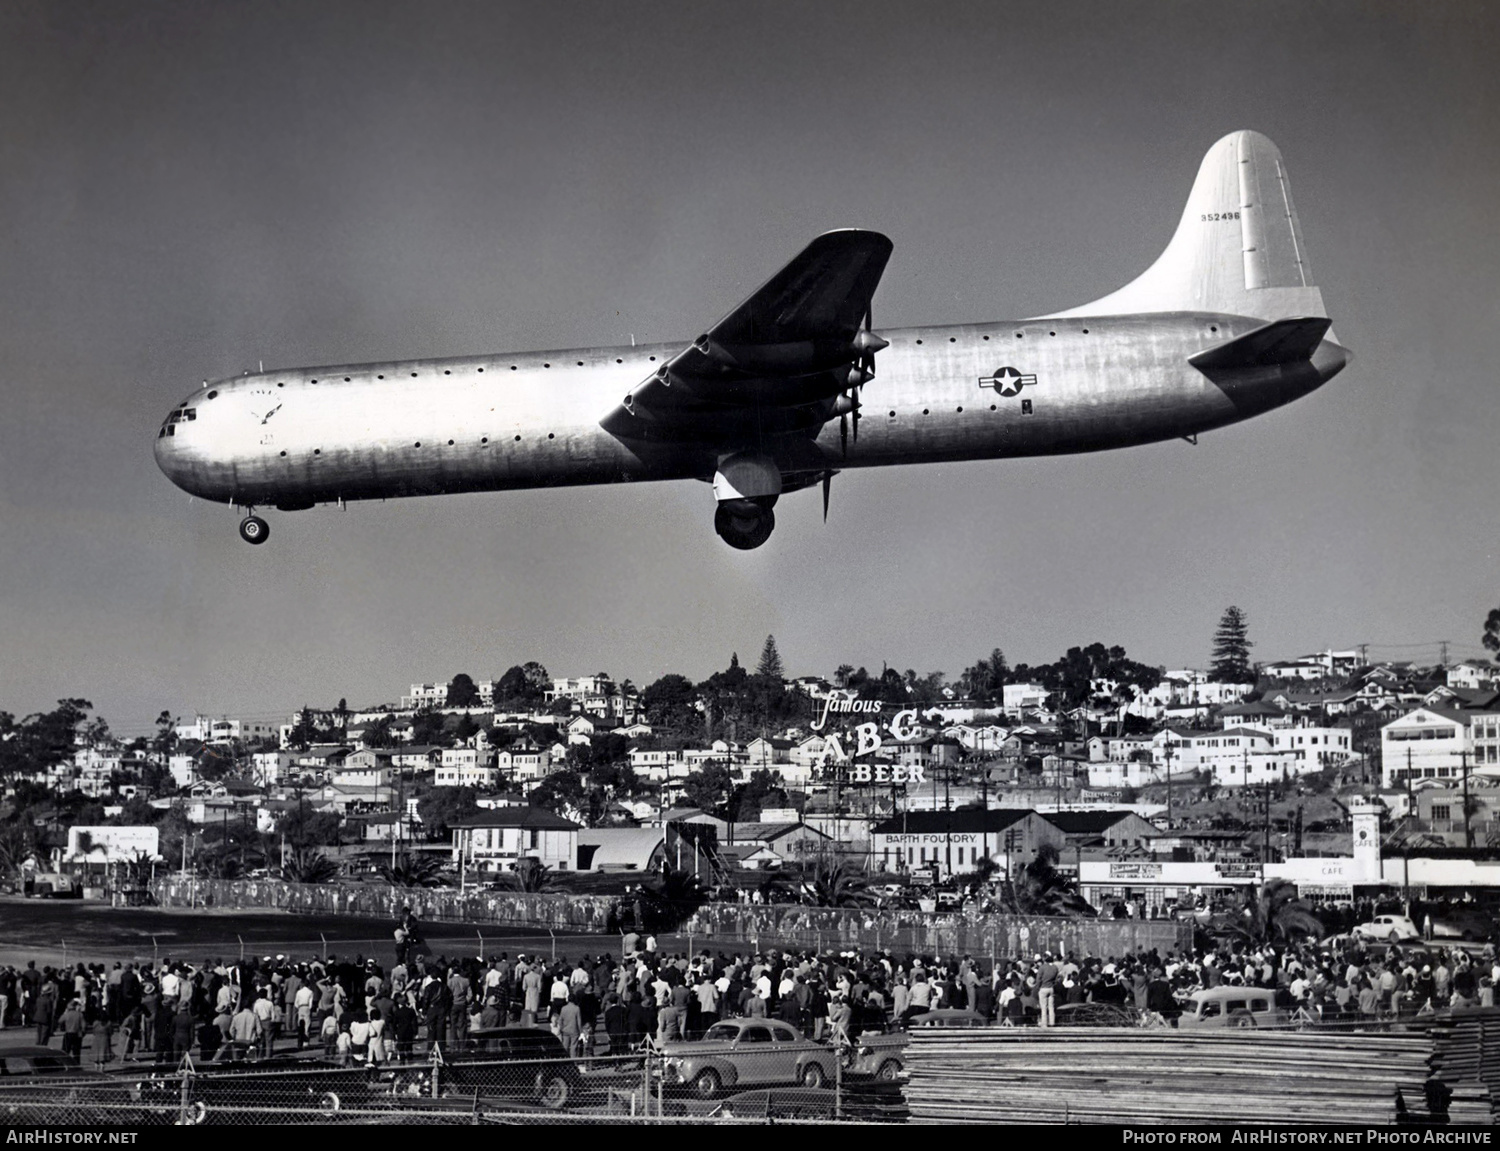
point(742, 530)
point(254, 530)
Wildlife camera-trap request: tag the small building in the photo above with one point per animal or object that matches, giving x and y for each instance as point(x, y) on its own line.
point(498, 839)
point(954, 842)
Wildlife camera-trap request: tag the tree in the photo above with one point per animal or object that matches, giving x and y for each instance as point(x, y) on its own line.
point(306, 866)
point(671, 704)
point(1040, 889)
point(531, 875)
point(842, 673)
point(1491, 637)
point(672, 899)
point(709, 786)
point(836, 884)
point(985, 681)
point(1231, 655)
point(462, 692)
point(769, 666)
point(442, 807)
point(1271, 913)
point(414, 871)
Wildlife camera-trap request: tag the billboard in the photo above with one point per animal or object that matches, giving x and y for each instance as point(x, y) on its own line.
point(111, 844)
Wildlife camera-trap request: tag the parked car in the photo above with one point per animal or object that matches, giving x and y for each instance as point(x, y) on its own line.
point(878, 1052)
point(746, 1053)
point(1468, 923)
point(527, 1065)
point(1226, 1006)
point(1388, 927)
point(279, 1090)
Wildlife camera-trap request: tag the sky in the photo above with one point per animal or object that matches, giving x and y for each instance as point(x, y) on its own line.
point(191, 189)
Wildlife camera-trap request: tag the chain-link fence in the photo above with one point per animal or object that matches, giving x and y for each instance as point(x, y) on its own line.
point(516, 1076)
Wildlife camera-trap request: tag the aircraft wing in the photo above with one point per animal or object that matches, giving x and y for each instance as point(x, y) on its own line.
point(791, 346)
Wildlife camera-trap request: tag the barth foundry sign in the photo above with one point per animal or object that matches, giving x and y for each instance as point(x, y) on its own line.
point(867, 740)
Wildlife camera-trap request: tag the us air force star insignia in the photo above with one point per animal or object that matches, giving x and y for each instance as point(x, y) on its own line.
point(1007, 381)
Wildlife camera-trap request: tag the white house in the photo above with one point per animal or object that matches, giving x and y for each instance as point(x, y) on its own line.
point(1432, 743)
point(1019, 697)
point(498, 839)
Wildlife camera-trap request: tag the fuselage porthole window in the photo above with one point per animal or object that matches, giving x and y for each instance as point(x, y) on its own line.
point(213, 395)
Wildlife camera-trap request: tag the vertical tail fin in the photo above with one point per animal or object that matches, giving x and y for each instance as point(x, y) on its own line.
point(1237, 250)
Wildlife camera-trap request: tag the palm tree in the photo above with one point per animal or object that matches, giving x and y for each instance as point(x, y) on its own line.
point(531, 876)
point(836, 884)
point(307, 866)
point(413, 871)
point(1040, 889)
point(672, 899)
point(1271, 913)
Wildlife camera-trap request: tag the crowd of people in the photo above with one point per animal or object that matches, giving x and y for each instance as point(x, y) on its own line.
point(358, 1009)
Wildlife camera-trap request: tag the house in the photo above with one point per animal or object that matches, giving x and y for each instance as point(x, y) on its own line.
point(1472, 675)
point(499, 839)
point(763, 752)
point(1428, 743)
point(790, 840)
point(1022, 697)
point(1258, 714)
point(417, 757)
point(268, 768)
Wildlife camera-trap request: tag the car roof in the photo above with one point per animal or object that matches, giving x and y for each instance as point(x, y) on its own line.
point(1228, 991)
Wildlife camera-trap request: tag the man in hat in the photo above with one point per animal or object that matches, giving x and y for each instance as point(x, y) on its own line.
point(1046, 990)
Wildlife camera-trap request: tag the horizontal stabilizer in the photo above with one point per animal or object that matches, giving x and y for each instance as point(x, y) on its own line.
point(1281, 342)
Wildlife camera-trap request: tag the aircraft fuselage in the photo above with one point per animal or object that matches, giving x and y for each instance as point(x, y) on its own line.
point(533, 419)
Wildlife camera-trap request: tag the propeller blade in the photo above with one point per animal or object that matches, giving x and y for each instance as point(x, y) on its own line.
point(843, 435)
point(827, 488)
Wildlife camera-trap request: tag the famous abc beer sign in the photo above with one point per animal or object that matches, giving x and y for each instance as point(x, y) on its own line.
point(867, 740)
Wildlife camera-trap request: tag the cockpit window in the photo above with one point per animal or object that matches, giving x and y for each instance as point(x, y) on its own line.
point(180, 415)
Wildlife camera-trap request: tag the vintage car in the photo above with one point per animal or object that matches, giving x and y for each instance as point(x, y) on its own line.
point(1228, 1006)
point(746, 1053)
point(520, 1065)
point(1388, 927)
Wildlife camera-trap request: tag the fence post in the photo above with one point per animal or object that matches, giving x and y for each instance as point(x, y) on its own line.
point(553, 934)
point(481, 945)
point(325, 945)
point(646, 1083)
point(241, 938)
point(182, 1110)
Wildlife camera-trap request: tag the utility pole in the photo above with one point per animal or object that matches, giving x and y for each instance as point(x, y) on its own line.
point(1265, 850)
point(1468, 831)
point(1169, 777)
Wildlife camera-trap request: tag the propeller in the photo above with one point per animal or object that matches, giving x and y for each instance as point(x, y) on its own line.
point(866, 343)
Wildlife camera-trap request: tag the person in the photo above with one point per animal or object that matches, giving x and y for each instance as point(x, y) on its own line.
point(244, 1031)
point(377, 1050)
point(570, 1026)
point(72, 1023)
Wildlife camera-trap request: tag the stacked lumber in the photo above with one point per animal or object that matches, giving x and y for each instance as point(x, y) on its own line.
point(1466, 1047)
point(1125, 1076)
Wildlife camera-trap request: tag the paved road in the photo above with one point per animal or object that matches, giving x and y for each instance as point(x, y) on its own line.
point(57, 931)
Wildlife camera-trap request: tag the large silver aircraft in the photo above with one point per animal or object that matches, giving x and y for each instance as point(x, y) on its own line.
point(783, 393)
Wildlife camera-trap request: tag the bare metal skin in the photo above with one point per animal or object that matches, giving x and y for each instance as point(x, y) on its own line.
point(1112, 374)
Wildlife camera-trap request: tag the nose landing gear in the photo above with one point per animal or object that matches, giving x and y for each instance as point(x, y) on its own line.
point(254, 530)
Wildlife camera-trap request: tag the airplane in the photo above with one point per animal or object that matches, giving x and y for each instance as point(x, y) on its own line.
point(783, 393)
